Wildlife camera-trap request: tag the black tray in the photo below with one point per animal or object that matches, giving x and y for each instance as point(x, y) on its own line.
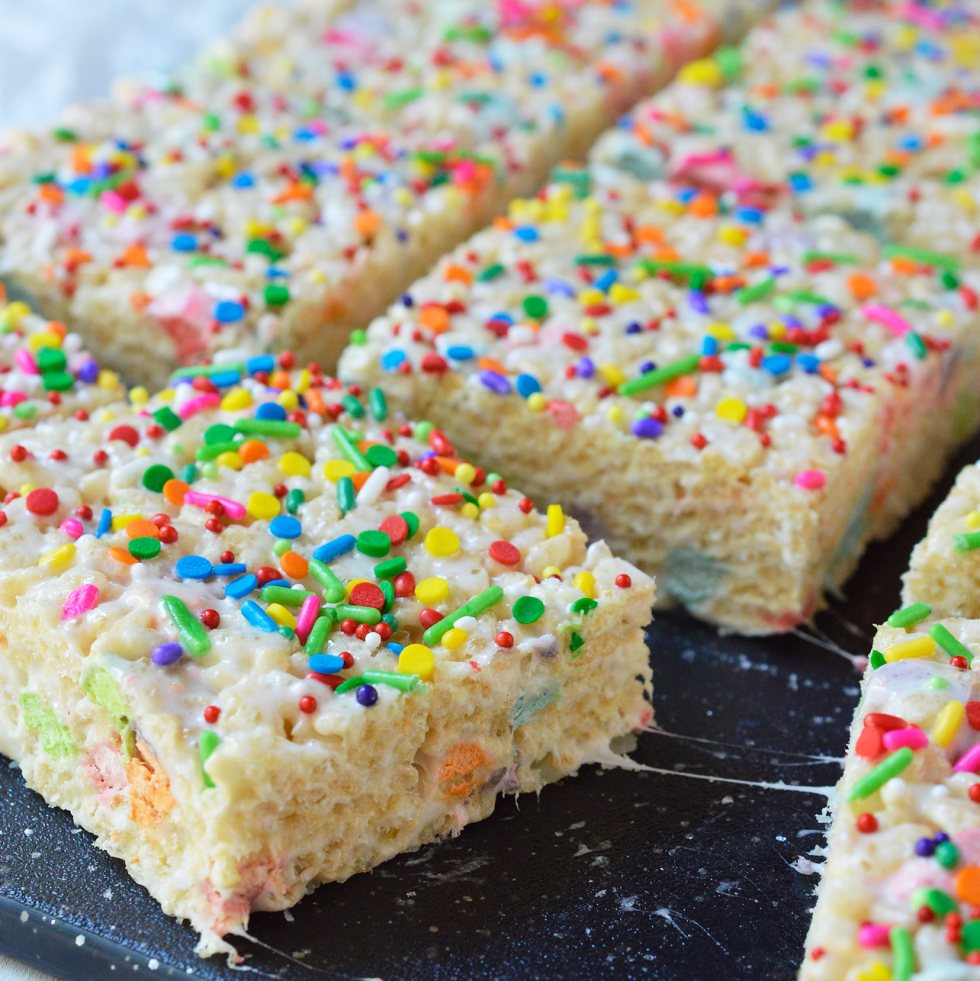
point(701, 868)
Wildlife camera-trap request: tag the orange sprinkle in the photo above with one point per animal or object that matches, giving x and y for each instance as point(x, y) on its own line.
point(174, 491)
point(703, 206)
point(141, 528)
point(295, 192)
point(434, 317)
point(862, 286)
point(667, 254)
point(608, 72)
point(139, 300)
point(51, 193)
point(280, 380)
point(121, 555)
point(135, 255)
point(358, 479)
point(491, 364)
point(456, 273)
point(904, 266)
point(828, 372)
point(456, 774)
point(250, 451)
point(826, 426)
point(294, 565)
point(968, 885)
point(649, 234)
point(367, 223)
point(447, 464)
point(54, 326)
point(684, 387)
point(75, 258)
point(314, 401)
point(753, 260)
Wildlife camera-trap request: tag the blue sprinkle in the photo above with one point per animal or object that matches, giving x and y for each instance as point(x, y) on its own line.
point(228, 311)
point(285, 526)
point(558, 287)
point(677, 411)
point(326, 663)
point(606, 280)
point(81, 185)
point(460, 352)
point(105, 523)
point(526, 385)
point(810, 363)
point(225, 379)
point(331, 550)
point(285, 583)
point(800, 182)
point(258, 618)
point(261, 362)
point(243, 180)
point(394, 648)
point(390, 360)
point(242, 586)
point(346, 81)
point(647, 428)
point(194, 567)
point(751, 216)
point(709, 345)
point(230, 568)
point(526, 233)
point(495, 381)
point(183, 242)
point(502, 318)
point(754, 121)
point(777, 364)
point(910, 142)
point(634, 328)
point(271, 410)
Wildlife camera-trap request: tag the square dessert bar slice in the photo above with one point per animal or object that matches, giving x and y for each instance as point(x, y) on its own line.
point(737, 401)
point(283, 210)
point(286, 637)
point(900, 893)
point(944, 570)
point(868, 111)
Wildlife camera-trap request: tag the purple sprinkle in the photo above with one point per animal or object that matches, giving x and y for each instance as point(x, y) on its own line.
point(367, 695)
point(634, 328)
point(697, 301)
point(495, 381)
point(677, 411)
point(586, 368)
point(940, 838)
point(647, 366)
point(647, 428)
point(88, 372)
point(167, 653)
point(760, 331)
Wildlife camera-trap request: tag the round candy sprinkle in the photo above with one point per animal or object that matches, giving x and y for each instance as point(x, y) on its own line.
point(395, 527)
point(417, 659)
point(193, 567)
point(811, 479)
point(367, 594)
point(285, 526)
point(155, 476)
point(528, 609)
point(262, 505)
point(367, 695)
point(374, 543)
point(441, 542)
point(168, 653)
point(505, 553)
point(42, 501)
point(432, 590)
point(144, 548)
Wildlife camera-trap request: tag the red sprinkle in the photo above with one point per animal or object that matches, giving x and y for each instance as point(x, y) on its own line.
point(210, 618)
point(211, 714)
point(867, 823)
point(42, 501)
point(974, 793)
point(505, 553)
point(505, 639)
point(623, 581)
point(307, 704)
point(367, 594)
point(125, 433)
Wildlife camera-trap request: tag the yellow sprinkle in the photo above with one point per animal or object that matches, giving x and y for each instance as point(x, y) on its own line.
point(584, 582)
point(948, 721)
point(4, 422)
point(262, 505)
point(486, 501)
point(703, 71)
point(536, 402)
point(590, 326)
point(248, 124)
point(722, 331)
point(288, 399)
point(556, 520)
point(732, 235)
point(317, 276)
point(417, 659)
point(470, 510)
point(945, 318)
point(167, 394)
point(294, 464)
point(615, 414)
point(465, 473)
point(875, 971)
point(612, 374)
point(839, 130)
point(619, 293)
point(432, 590)
point(108, 379)
point(441, 541)
point(454, 638)
point(58, 558)
point(973, 520)
point(874, 89)
point(14, 312)
point(335, 469)
point(236, 399)
point(776, 330)
point(25, 489)
point(143, 451)
point(120, 521)
point(138, 395)
point(44, 339)
point(230, 459)
point(916, 647)
point(591, 297)
point(303, 381)
point(731, 410)
point(281, 615)
point(550, 570)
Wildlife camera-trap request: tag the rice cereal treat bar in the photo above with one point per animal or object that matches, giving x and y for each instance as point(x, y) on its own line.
point(944, 570)
point(864, 110)
point(733, 399)
point(900, 893)
point(44, 370)
point(228, 211)
point(287, 637)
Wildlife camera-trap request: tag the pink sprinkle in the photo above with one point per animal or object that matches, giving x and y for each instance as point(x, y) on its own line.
point(114, 201)
point(873, 935)
point(703, 160)
point(811, 479)
point(887, 317)
point(80, 601)
point(913, 737)
point(72, 527)
point(25, 361)
point(563, 414)
point(233, 509)
point(308, 613)
point(969, 761)
point(206, 400)
point(924, 18)
point(9, 399)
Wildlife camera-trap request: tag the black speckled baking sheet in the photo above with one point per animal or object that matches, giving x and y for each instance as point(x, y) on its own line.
point(699, 868)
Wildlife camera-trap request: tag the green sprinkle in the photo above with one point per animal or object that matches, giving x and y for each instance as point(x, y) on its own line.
point(388, 591)
point(412, 520)
point(269, 427)
point(206, 745)
point(294, 499)
point(947, 855)
point(103, 690)
point(749, 294)
point(352, 406)
point(584, 605)
point(916, 344)
point(949, 643)
point(688, 270)
point(346, 496)
point(937, 683)
point(155, 476)
point(380, 455)
point(276, 295)
point(51, 359)
point(471, 608)
point(318, 635)
point(214, 450)
point(891, 766)
point(925, 256)
point(359, 614)
point(966, 542)
point(575, 641)
point(491, 272)
point(394, 679)
point(660, 376)
point(903, 954)
point(359, 337)
point(377, 544)
point(348, 450)
point(402, 97)
point(25, 410)
point(939, 901)
point(839, 258)
point(64, 135)
point(284, 595)
point(390, 567)
point(909, 615)
point(206, 370)
point(595, 260)
point(536, 307)
point(528, 609)
point(56, 739)
point(970, 937)
point(333, 588)
point(805, 296)
point(219, 434)
point(378, 404)
point(144, 547)
point(190, 630)
point(876, 660)
point(167, 418)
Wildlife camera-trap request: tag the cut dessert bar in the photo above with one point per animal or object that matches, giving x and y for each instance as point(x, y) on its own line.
point(736, 400)
point(900, 893)
point(283, 204)
point(286, 637)
point(945, 567)
point(864, 110)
